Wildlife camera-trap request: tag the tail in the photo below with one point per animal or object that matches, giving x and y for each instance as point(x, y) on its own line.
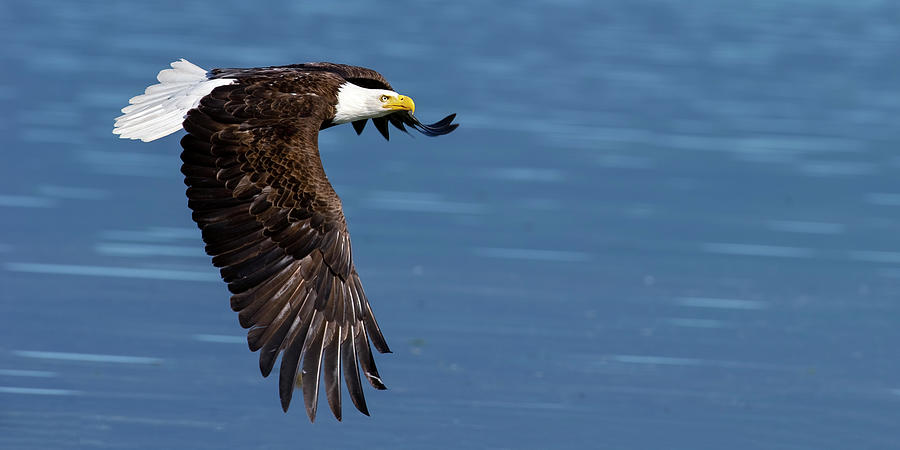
point(161, 109)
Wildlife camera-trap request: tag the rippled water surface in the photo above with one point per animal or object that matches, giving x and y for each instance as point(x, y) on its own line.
point(661, 224)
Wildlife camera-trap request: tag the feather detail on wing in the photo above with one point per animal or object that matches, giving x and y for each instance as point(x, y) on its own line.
point(276, 229)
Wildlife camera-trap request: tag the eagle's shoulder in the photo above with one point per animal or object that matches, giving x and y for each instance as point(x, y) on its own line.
point(320, 71)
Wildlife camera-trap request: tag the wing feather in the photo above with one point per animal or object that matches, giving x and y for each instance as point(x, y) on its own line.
point(351, 369)
point(312, 364)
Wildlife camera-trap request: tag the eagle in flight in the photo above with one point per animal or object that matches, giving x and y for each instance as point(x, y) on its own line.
point(270, 219)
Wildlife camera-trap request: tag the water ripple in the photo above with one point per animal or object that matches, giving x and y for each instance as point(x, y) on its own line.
point(106, 271)
point(421, 202)
point(88, 357)
point(153, 234)
point(757, 250)
point(220, 338)
point(36, 391)
point(26, 201)
point(76, 193)
point(882, 199)
point(121, 249)
point(27, 373)
point(128, 163)
point(837, 168)
point(688, 322)
point(721, 303)
point(676, 361)
point(797, 226)
point(532, 254)
point(875, 256)
point(524, 174)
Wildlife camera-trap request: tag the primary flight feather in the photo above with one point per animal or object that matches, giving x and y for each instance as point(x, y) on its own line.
point(268, 214)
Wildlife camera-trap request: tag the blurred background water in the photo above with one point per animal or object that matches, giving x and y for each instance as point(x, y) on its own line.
point(661, 224)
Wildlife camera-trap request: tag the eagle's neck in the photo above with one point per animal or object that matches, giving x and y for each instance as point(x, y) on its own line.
point(358, 103)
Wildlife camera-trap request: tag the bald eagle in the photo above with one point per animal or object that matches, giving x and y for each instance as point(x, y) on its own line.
point(270, 219)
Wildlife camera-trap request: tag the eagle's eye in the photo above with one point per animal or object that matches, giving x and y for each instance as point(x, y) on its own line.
point(384, 98)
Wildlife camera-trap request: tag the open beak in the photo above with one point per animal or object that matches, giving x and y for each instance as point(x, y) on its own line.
point(400, 103)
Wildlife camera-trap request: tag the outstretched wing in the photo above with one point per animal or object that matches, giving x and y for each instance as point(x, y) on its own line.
point(275, 227)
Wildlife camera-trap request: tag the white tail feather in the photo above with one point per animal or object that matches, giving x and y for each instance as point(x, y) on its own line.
point(160, 110)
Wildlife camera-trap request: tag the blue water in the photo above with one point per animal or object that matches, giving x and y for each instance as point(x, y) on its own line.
point(661, 224)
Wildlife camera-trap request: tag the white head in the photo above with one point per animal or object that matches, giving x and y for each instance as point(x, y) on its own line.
point(357, 103)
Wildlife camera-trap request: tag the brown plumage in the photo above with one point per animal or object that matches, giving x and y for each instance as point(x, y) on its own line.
point(275, 227)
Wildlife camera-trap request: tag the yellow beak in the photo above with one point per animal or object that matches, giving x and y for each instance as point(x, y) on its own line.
point(400, 103)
